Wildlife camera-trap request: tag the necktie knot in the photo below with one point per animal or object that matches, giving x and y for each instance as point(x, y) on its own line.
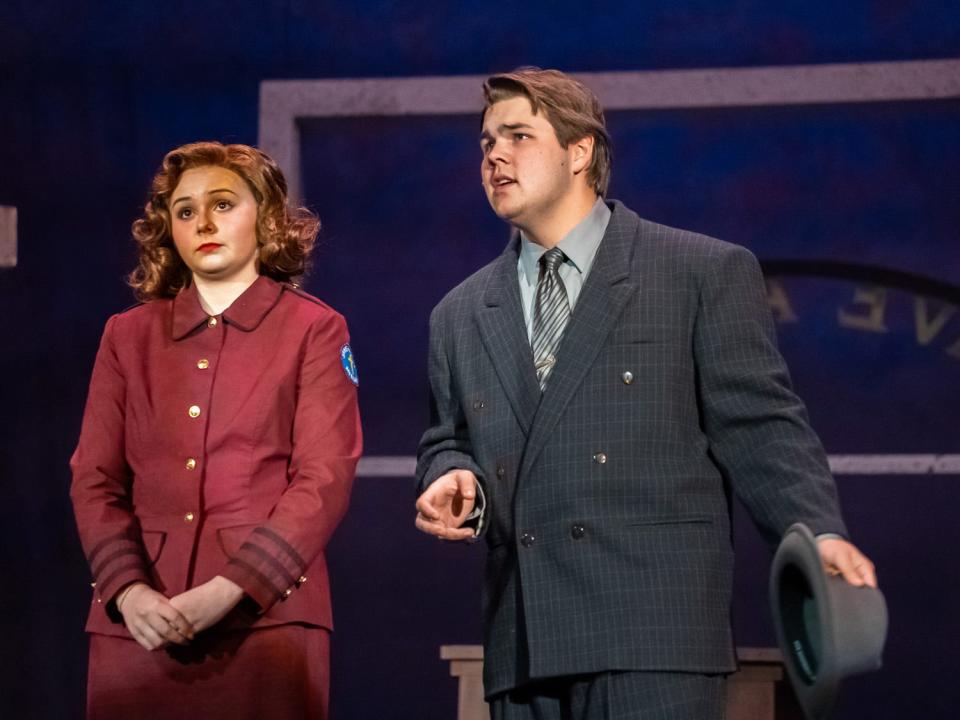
point(552, 259)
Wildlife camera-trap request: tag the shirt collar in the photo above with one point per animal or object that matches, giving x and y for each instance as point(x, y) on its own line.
point(579, 245)
point(246, 312)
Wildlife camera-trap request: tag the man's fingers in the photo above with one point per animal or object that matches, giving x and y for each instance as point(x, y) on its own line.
point(438, 529)
point(426, 508)
point(467, 484)
point(862, 569)
point(458, 534)
point(429, 526)
point(842, 558)
point(849, 573)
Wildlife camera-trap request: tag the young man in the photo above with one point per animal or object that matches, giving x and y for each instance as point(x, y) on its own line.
point(597, 389)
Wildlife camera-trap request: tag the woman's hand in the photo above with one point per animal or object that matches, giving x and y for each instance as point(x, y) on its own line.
point(207, 604)
point(151, 618)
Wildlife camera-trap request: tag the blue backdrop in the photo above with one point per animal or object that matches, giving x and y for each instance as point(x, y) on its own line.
point(93, 96)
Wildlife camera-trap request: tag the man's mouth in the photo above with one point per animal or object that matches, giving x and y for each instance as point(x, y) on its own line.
point(501, 181)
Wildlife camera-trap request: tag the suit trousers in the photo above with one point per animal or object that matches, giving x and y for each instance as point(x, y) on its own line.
point(627, 695)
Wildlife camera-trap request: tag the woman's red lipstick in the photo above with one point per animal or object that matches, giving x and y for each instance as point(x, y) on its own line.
point(208, 247)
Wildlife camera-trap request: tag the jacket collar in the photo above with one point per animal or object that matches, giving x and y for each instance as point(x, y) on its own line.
point(246, 312)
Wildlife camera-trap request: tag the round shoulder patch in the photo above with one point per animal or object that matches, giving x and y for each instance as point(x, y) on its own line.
point(349, 366)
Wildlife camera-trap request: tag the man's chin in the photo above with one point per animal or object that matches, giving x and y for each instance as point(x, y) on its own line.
point(506, 211)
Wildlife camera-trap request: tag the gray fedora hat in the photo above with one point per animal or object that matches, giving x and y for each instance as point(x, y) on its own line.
point(826, 628)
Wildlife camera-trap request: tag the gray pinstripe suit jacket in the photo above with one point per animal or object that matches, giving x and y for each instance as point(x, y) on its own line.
point(644, 581)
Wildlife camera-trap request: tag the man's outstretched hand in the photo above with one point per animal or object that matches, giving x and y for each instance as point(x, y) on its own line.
point(445, 504)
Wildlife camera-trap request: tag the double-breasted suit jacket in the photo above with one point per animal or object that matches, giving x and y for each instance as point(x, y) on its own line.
point(607, 497)
point(218, 446)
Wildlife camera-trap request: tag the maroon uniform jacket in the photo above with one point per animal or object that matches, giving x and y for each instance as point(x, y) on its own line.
point(218, 446)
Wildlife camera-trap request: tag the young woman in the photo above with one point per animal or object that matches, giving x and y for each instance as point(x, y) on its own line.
point(218, 448)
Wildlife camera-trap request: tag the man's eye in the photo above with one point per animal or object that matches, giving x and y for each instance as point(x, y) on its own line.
point(520, 136)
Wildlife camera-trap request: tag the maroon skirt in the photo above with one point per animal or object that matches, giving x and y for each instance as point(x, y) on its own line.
point(275, 672)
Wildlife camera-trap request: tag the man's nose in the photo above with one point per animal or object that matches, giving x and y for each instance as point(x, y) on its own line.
point(497, 154)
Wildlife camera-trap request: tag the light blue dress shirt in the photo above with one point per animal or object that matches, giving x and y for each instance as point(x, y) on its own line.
point(579, 245)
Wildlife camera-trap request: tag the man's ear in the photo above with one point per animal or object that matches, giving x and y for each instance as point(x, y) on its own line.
point(581, 154)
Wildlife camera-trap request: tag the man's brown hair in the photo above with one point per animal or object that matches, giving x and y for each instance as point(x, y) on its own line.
point(569, 106)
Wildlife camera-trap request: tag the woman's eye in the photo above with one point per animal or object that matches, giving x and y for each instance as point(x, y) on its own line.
point(224, 205)
point(185, 213)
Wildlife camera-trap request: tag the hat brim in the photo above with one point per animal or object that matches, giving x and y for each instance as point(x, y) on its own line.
point(804, 621)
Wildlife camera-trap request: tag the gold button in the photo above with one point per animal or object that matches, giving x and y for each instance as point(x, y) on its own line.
point(191, 463)
point(627, 377)
point(203, 363)
point(301, 580)
point(188, 517)
point(194, 411)
point(212, 321)
point(287, 593)
point(93, 585)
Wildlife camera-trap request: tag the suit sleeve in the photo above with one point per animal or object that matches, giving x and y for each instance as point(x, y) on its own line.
point(101, 486)
point(327, 443)
point(445, 445)
point(758, 429)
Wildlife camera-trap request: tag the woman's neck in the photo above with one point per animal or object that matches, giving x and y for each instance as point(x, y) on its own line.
point(217, 295)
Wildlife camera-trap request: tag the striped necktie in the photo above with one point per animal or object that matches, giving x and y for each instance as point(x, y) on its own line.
point(551, 311)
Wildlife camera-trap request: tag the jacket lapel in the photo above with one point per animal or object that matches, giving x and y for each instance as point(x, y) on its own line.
point(601, 300)
point(504, 335)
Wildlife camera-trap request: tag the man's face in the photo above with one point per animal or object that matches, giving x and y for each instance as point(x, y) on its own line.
point(526, 173)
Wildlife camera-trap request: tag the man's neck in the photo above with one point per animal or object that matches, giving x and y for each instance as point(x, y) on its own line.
point(550, 229)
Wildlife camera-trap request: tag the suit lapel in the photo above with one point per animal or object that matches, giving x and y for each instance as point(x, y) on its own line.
point(601, 300)
point(504, 335)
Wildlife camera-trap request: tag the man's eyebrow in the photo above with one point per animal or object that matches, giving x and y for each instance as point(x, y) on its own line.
point(211, 192)
point(505, 127)
point(514, 126)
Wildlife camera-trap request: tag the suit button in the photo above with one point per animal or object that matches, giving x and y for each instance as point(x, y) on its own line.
point(188, 518)
point(194, 411)
point(600, 458)
point(203, 363)
point(191, 463)
point(577, 532)
point(627, 377)
point(478, 405)
point(500, 471)
point(527, 540)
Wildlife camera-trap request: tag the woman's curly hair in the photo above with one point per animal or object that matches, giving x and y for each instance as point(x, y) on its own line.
point(286, 237)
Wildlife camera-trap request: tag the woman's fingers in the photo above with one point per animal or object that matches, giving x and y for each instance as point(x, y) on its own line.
point(177, 622)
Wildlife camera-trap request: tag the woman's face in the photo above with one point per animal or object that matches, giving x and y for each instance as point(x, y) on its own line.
point(213, 215)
